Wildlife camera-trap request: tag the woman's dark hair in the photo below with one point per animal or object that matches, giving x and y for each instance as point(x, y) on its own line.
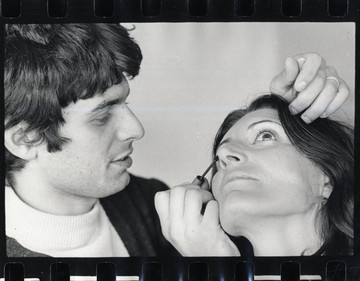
point(48, 66)
point(330, 145)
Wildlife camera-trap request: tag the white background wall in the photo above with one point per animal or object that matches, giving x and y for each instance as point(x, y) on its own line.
point(194, 74)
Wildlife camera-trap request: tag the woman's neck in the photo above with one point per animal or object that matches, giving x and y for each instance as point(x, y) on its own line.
point(290, 236)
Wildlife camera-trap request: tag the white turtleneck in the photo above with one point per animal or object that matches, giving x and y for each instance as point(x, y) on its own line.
point(86, 235)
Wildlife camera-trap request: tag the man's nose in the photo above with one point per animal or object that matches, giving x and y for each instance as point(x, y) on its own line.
point(130, 128)
point(231, 155)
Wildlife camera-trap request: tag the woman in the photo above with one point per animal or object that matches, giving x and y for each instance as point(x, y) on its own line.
point(299, 176)
point(285, 185)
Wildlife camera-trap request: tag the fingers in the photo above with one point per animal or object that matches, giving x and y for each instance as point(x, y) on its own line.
point(302, 71)
point(330, 97)
point(162, 200)
point(179, 210)
point(177, 204)
point(309, 83)
point(181, 203)
point(306, 97)
point(319, 92)
point(341, 96)
point(320, 104)
point(162, 204)
point(194, 234)
point(310, 69)
point(282, 84)
point(193, 205)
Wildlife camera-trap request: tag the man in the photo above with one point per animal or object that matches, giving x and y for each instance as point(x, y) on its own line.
point(68, 138)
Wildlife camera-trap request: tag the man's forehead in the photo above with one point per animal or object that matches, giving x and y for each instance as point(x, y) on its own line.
point(116, 92)
point(121, 90)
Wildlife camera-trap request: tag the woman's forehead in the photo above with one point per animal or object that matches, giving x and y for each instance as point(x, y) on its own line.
point(258, 115)
point(251, 121)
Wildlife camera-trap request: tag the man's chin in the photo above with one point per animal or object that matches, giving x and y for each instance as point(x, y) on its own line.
point(124, 181)
point(116, 185)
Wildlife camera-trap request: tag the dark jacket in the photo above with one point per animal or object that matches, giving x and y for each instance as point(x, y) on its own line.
point(132, 213)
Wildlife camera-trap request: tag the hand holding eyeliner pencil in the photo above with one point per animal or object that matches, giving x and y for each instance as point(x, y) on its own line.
point(199, 180)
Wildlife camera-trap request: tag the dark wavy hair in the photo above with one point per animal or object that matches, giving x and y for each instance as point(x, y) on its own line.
point(48, 66)
point(330, 145)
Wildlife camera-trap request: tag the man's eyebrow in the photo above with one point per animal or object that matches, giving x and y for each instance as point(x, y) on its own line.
point(107, 103)
point(262, 121)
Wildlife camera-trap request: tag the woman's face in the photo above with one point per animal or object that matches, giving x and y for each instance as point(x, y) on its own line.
point(261, 176)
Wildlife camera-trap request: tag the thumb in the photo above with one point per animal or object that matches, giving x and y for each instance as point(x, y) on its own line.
point(205, 185)
point(211, 214)
point(202, 182)
point(198, 181)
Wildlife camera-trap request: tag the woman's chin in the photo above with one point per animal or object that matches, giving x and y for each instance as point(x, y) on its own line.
point(231, 223)
point(229, 229)
point(237, 219)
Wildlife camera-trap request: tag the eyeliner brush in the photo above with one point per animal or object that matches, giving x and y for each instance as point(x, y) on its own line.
point(199, 180)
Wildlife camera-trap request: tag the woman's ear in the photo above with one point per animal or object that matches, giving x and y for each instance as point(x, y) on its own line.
point(21, 143)
point(327, 188)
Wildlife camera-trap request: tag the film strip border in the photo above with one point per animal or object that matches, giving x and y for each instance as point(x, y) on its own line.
point(197, 271)
point(178, 10)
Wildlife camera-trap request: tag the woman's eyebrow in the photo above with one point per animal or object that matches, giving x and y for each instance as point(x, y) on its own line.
point(227, 140)
point(262, 121)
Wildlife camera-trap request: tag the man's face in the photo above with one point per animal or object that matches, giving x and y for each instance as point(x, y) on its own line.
point(95, 160)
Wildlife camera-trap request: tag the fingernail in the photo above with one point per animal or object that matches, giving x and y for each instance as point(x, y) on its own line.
point(301, 86)
point(324, 115)
point(293, 110)
point(306, 119)
point(198, 181)
point(301, 61)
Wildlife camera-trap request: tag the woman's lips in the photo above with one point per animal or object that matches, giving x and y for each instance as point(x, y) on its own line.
point(242, 178)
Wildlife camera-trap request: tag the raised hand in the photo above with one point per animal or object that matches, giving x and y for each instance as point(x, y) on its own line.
point(186, 228)
point(308, 84)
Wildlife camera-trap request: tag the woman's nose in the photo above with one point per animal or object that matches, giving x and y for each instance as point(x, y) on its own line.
point(230, 156)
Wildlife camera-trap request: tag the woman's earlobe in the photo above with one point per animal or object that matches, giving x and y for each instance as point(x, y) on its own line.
point(21, 143)
point(327, 188)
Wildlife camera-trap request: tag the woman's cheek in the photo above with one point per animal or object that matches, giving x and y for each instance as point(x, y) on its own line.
point(216, 186)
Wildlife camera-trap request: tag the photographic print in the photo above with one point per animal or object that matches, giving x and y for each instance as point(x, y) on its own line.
point(179, 139)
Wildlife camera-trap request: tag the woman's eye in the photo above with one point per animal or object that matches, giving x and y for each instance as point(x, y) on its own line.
point(265, 136)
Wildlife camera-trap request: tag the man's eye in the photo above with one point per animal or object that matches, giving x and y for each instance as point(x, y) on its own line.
point(265, 136)
point(103, 120)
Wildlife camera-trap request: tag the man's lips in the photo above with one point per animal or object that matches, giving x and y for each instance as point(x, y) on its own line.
point(122, 157)
point(124, 160)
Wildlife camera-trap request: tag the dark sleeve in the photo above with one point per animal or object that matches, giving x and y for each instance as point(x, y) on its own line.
point(133, 215)
point(15, 250)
